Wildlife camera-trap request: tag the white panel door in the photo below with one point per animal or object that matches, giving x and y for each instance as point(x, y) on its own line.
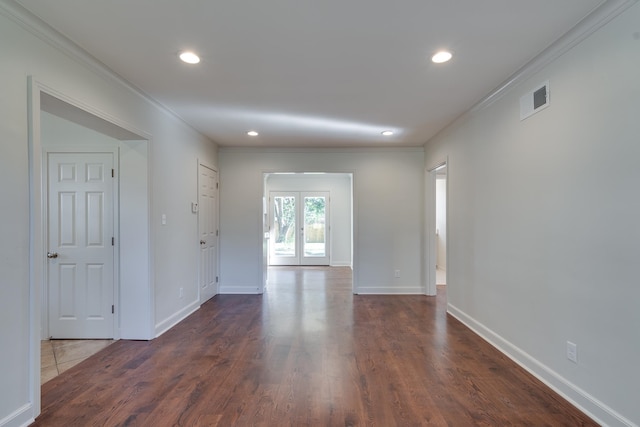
point(208, 231)
point(299, 228)
point(81, 252)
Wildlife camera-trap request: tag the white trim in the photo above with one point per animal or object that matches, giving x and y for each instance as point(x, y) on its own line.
point(340, 263)
point(21, 417)
point(36, 241)
point(363, 149)
point(597, 410)
point(240, 290)
point(355, 236)
point(176, 318)
point(391, 290)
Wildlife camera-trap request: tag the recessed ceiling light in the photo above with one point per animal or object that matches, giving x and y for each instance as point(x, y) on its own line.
point(252, 133)
point(189, 57)
point(387, 132)
point(442, 56)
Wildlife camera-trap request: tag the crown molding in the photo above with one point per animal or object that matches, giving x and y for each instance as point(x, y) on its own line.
point(595, 20)
point(39, 28)
point(320, 150)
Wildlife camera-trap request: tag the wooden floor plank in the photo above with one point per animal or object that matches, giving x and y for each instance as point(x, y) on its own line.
point(307, 352)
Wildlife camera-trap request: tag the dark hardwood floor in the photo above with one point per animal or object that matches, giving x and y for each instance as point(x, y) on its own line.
point(307, 352)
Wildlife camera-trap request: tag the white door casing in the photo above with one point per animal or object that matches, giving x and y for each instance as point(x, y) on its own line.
point(80, 245)
point(208, 231)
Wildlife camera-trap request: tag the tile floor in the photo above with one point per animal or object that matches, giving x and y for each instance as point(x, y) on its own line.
point(56, 356)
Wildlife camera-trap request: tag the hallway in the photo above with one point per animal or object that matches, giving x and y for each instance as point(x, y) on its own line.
point(307, 352)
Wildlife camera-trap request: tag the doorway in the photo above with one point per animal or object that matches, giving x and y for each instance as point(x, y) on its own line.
point(299, 225)
point(58, 123)
point(338, 223)
point(436, 209)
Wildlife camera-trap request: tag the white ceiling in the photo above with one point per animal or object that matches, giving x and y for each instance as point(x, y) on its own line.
point(323, 73)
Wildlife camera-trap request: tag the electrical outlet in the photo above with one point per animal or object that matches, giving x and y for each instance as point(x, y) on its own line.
point(397, 274)
point(572, 352)
point(181, 292)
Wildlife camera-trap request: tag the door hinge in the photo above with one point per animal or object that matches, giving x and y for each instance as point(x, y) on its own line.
point(217, 233)
point(216, 279)
point(113, 173)
point(113, 241)
point(217, 185)
point(113, 309)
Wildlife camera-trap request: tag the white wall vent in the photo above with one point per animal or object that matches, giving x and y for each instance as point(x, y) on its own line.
point(534, 101)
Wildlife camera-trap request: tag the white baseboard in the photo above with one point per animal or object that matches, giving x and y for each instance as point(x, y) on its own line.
point(390, 290)
point(21, 417)
point(178, 317)
point(239, 290)
point(340, 263)
point(597, 410)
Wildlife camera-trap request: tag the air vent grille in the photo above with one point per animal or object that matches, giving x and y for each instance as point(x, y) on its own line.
point(534, 101)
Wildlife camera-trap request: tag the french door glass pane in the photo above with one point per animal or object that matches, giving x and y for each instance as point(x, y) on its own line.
point(284, 224)
point(314, 227)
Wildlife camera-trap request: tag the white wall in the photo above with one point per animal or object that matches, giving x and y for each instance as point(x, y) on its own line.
point(339, 186)
point(388, 199)
point(543, 222)
point(174, 150)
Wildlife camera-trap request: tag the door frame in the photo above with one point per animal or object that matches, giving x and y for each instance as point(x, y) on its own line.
point(430, 221)
point(115, 152)
point(37, 214)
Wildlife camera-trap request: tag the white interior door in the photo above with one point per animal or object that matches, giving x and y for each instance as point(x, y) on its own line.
point(80, 241)
point(208, 231)
point(299, 228)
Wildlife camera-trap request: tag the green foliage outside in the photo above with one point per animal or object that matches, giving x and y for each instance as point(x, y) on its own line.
point(284, 218)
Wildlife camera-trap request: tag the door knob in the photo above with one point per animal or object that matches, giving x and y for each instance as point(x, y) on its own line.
point(202, 242)
point(52, 255)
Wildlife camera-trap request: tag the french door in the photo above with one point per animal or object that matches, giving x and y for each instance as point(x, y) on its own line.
point(299, 228)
